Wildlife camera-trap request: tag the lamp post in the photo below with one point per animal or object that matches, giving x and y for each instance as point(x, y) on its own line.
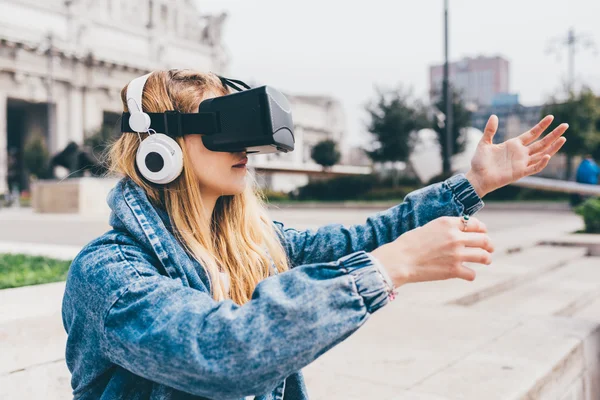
point(447, 167)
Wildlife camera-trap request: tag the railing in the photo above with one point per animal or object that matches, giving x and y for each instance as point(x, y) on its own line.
point(555, 185)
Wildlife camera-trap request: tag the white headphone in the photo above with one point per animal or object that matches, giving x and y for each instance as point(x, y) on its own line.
point(159, 157)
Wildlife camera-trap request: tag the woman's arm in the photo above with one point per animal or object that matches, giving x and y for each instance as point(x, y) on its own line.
point(182, 338)
point(493, 166)
point(452, 197)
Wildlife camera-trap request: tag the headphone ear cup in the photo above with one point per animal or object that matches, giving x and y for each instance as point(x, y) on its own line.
point(139, 122)
point(159, 159)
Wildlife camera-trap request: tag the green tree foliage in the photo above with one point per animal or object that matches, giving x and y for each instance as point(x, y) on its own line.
point(37, 158)
point(582, 112)
point(325, 153)
point(395, 117)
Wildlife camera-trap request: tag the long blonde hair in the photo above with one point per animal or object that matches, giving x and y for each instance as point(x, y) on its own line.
point(239, 239)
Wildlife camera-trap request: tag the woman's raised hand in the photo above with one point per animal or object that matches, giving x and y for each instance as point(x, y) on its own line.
point(496, 165)
point(436, 251)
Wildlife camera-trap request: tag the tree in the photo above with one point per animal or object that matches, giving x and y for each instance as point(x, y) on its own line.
point(36, 157)
point(325, 153)
point(582, 113)
point(395, 117)
point(461, 118)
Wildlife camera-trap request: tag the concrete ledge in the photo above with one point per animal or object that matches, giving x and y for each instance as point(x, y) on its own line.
point(589, 241)
point(60, 252)
point(72, 196)
point(466, 355)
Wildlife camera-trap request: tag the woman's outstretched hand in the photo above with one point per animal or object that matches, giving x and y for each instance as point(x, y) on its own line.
point(436, 251)
point(496, 165)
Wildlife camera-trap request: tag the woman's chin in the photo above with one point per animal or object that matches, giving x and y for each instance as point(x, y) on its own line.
point(235, 189)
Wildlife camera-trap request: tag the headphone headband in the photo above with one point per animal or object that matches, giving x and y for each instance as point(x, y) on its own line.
point(135, 89)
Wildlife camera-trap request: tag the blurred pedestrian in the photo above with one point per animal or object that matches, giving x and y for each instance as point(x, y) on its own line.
point(587, 173)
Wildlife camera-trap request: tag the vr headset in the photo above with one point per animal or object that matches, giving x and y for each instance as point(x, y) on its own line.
point(255, 120)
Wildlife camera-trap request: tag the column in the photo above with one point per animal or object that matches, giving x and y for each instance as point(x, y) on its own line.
point(75, 115)
point(3, 133)
point(61, 125)
point(93, 113)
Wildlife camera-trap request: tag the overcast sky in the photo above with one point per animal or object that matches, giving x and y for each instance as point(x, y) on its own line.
point(344, 48)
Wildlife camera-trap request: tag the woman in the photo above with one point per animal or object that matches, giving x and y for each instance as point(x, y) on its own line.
point(196, 294)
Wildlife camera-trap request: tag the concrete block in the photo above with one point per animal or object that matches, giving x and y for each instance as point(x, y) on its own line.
point(85, 196)
point(402, 345)
point(31, 301)
point(539, 359)
point(505, 273)
point(589, 241)
point(559, 292)
point(50, 381)
point(31, 341)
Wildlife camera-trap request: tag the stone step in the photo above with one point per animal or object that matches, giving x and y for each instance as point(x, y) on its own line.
point(533, 233)
point(31, 341)
point(453, 352)
point(31, 301)
point(542, 358)
point(48, 381)
point(60, 252)
point(589, 241)
point(505, 273)
point(558, 292)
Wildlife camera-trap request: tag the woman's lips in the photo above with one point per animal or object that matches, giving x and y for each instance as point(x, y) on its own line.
point(242, 163)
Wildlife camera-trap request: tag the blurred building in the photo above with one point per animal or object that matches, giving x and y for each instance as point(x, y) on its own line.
point(514, 118)
point(479, 80)
point(316, 118)
point(64, 62)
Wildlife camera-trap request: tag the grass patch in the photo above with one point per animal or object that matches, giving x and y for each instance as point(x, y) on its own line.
point(18, 270)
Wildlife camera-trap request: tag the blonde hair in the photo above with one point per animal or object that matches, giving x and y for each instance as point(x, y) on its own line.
point(239, 239)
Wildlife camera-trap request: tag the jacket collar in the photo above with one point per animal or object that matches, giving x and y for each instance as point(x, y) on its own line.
point(132, 212)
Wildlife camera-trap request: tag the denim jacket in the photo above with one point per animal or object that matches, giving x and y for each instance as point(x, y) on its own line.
point(142, 324)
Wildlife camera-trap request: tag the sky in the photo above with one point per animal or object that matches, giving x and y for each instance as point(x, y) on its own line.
point(347, 48)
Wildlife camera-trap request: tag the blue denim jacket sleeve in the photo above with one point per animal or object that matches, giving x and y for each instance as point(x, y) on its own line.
point(163, 331)
point(453, 197)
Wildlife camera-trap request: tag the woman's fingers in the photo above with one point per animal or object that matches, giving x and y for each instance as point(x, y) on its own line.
point(548, 140)
point(475, 255)
point(465, 273)
point(490, 129)
point(554, 148)
point(539, 166)
point(479, 240)
point(535, 132)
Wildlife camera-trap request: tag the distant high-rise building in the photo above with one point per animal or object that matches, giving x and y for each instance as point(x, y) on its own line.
point(479, 79)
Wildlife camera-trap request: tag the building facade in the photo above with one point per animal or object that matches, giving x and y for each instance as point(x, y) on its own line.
point(514, 119)
point(64, 62)
point(479, 80)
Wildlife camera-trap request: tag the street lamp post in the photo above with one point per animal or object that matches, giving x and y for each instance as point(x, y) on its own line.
point(573, 42)
point(448, 98)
